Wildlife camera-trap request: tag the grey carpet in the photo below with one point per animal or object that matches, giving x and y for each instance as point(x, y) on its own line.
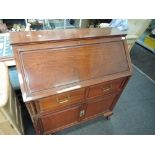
point(134, 113)
point(143, 59)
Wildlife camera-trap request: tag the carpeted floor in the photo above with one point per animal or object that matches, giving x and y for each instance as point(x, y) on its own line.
point(143, 59)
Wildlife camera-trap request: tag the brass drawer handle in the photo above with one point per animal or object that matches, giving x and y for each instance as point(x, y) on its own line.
point(107, 89)
point(66, 99)
point(82, 112)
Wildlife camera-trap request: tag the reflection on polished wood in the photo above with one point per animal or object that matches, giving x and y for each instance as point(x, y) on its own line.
point(70, 76)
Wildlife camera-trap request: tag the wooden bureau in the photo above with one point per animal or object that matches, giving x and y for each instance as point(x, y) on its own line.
point(70, 76)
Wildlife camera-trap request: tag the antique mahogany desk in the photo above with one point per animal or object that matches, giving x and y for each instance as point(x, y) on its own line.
point(70, 76)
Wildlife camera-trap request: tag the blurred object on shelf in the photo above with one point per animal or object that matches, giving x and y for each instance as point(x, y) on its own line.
point(46, 25)
point(43, 24)
point(56, 23)
point(15, 24)
point(96, 22)
point(28, 27)
point(22, 28)
point(31, 20)
point(102, 25)
point(121, 24)
point(36, 24)
point(18, 27)
point(71, 21)
point(52, 25)
point(3, 28)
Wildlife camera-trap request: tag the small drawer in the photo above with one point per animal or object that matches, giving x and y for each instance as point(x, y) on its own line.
point(105, 88)
point(59, 100)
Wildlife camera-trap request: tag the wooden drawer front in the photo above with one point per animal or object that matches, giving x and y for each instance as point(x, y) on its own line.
point(60, 119)
point(99, 106)
point(56, 101)
point(105, 88)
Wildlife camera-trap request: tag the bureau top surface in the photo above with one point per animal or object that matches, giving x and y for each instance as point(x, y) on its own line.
point(67, 34)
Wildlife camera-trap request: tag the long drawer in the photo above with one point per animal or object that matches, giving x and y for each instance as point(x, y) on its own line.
point(64, 99)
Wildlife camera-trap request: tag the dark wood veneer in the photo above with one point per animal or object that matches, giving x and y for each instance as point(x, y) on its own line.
point(70, 76)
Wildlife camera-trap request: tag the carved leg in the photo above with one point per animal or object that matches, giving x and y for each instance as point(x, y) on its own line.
point(108, 115)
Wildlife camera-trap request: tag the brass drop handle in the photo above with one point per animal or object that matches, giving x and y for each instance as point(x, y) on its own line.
point(66, 99)
point(82, 112)
point(107, 89)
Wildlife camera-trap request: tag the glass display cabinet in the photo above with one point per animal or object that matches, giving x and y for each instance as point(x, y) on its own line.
point(48, 24)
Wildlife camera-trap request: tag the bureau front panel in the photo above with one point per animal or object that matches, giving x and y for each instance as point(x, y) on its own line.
point(60, 119)
point(47, 69)
point(57, 101)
